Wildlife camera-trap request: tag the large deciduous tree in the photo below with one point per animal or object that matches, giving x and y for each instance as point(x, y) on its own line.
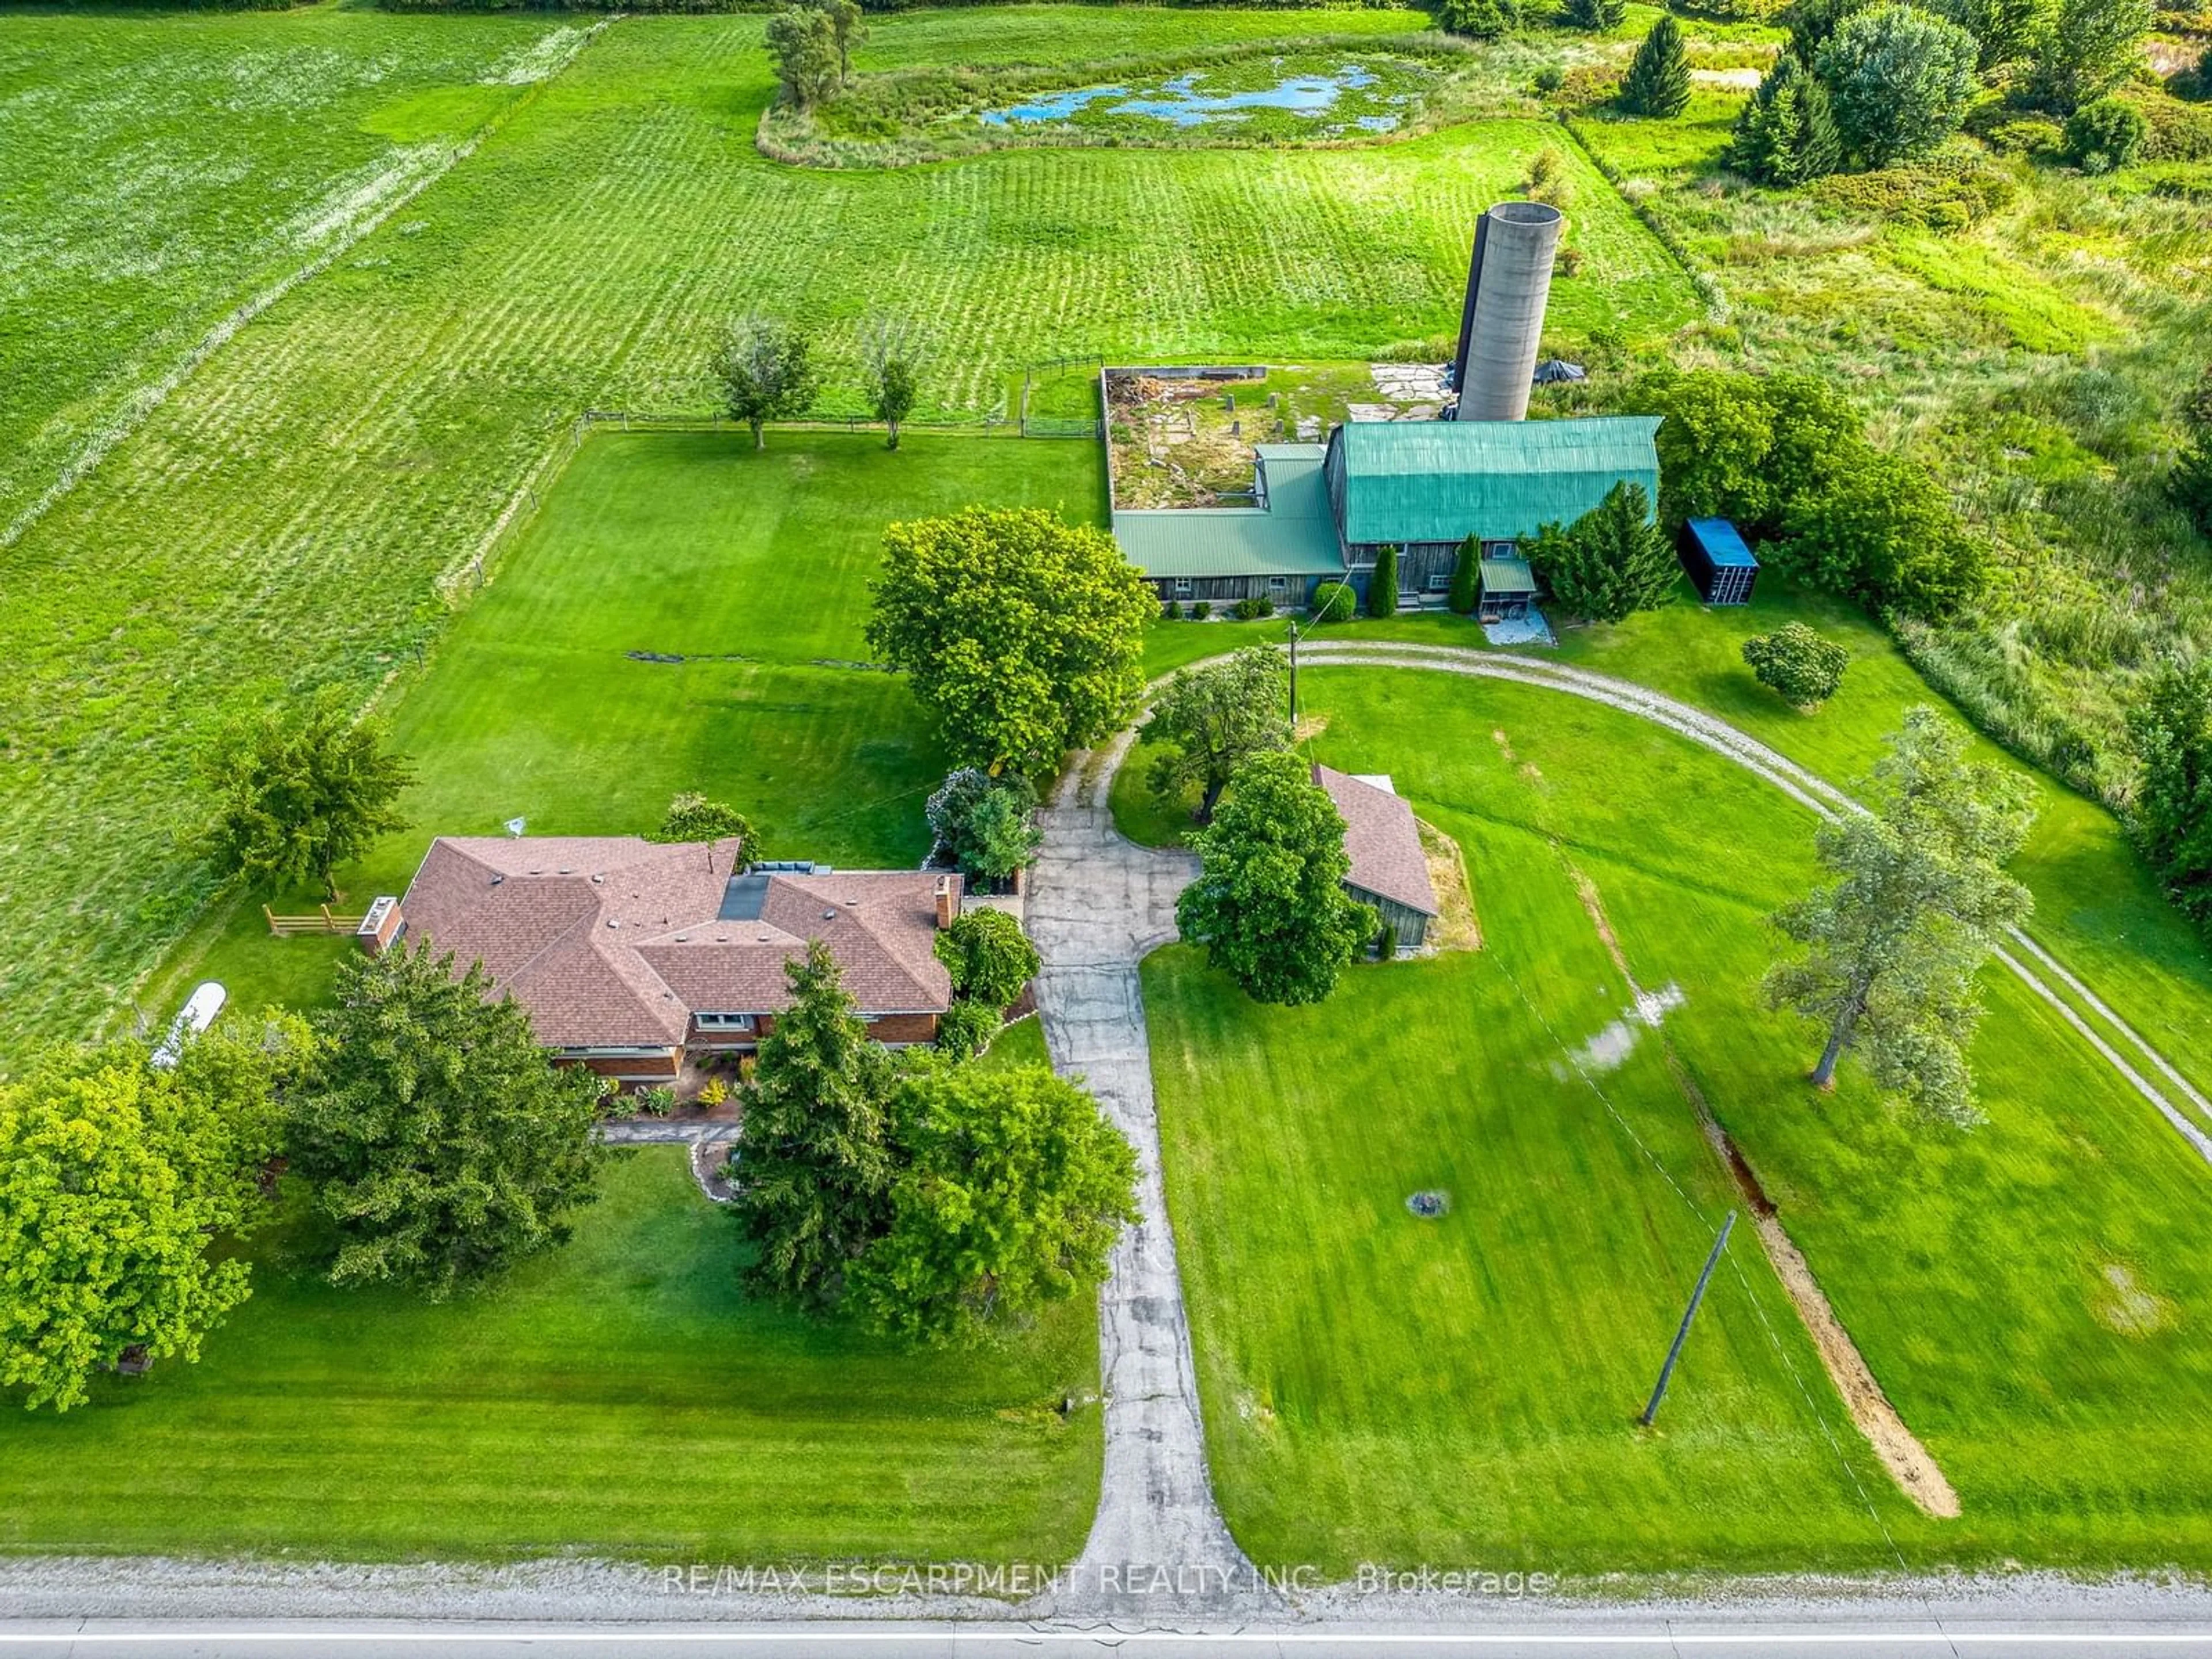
point(1269, 904)
point(1011, 1193)
point(1881, 531)
point(300, 790)
point(443, 1144)
point(814, 1161)
point(803, 44)
point(1209, 721)
point(1658, 79)
point(2170, 731)
point(1611, 562)
point(1021, 633)
point(1891, 946)
point(767, 370)
point(1900, 79)
point(118, 1179)
point(693, 817)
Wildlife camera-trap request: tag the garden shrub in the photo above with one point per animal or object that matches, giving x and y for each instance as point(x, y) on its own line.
point(1797, 663)
point(1657, 83)
point(1334, 602)
point(965, 1030)
point(1881, 531)
point(2173, 130)
point(1386, 942)
point(2106, 136)
point(1201, 610)
point(1251, 608)
point(656, 1101)
point(1172, 610)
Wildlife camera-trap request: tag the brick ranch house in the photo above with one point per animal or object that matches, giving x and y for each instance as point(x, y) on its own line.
point(630, 955)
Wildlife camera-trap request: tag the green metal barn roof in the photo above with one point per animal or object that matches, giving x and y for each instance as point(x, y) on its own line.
point(1291, 536)
point(1439, 481)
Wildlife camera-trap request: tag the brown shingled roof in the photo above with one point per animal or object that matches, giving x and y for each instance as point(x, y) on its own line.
point(612, 941)
point(1383, 839)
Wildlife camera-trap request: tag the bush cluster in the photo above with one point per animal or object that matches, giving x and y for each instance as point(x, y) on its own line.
point(1786, 456)
point(1947, 192)
point(1334, 602)
point(1251, 608)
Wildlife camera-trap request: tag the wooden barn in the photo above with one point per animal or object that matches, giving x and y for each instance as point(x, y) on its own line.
point(1324, 512)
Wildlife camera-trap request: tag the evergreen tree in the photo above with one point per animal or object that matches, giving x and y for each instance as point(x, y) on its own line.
point(442, 1144)
point(1920, 895)
point(1786, 133)
point(814, 1163)
point(1658, 80)
point(1467, 577)
point(1611, 562)
point(1900, 80)
point(1603, 15)
point(1383, 585)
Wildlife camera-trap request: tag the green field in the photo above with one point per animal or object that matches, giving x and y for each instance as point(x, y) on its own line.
point(675, 544)
point(132, 221)
point(618, 1398)
point(281, 518)
point(1972, 1270)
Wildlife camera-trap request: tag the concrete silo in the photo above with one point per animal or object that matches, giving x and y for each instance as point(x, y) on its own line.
point(1508, 282)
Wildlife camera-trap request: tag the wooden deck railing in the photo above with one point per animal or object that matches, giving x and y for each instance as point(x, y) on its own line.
point(322, 922)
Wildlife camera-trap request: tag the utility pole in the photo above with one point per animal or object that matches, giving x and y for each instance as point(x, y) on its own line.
point(1666, 1371)
point(1294, 679)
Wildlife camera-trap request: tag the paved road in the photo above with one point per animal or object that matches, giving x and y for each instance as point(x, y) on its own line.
point(1157, 1549)
point(1594, 1636)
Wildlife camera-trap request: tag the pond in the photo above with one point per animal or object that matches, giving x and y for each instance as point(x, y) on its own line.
point(1198, 98)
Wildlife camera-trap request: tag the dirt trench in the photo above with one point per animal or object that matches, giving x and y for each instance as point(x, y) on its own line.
point(1909, 1463)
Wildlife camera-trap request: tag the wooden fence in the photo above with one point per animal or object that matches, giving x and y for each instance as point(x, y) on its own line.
point(322, 922)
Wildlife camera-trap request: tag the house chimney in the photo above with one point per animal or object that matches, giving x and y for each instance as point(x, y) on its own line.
point(380, 927)
point(948, 900)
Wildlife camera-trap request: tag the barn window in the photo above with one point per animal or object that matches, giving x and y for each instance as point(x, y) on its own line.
point(724, 1022)
point(1182, 588)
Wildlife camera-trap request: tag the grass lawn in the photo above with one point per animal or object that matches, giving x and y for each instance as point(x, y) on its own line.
point(280, 521)
point(2097, 906)
point(620, 1398)
point(685, 544)
point(2035, 1297)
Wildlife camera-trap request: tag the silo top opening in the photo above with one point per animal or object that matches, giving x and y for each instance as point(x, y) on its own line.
point(1526, 213)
